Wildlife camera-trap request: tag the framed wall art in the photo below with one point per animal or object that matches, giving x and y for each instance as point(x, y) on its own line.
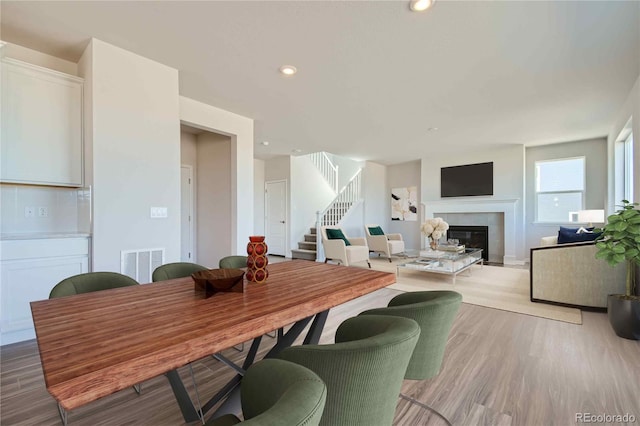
point(404, 203)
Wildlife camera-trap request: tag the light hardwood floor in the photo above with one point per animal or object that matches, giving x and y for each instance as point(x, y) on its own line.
point(500, 368)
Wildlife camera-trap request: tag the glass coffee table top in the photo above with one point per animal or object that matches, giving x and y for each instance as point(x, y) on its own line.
point(443, 262)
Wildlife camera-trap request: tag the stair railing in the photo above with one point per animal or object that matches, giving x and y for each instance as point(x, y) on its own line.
point(337, 209)
point(326, 167)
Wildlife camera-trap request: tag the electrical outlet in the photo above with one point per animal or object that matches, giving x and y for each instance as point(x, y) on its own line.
point(43, 212)
point(29, 212)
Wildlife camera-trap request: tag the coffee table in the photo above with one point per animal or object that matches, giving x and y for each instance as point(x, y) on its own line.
point(444, 262)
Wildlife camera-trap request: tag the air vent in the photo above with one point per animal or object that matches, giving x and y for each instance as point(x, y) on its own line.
point(140, 264)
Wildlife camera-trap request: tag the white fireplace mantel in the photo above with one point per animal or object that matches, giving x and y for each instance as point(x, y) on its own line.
point(506, 206)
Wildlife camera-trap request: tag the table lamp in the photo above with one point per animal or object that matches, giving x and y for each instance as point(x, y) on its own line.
point(591, 216)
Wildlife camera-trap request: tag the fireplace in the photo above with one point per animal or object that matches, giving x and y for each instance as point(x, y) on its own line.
point(471, 237)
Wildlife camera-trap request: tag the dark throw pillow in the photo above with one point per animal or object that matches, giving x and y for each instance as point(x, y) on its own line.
point(336, 234)
point(376, 230)
point(570, 235)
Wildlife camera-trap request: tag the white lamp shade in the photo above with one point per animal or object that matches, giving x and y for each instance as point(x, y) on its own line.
point(591, 216)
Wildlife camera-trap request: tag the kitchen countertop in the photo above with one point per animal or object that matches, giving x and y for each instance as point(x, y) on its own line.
point(42, 235)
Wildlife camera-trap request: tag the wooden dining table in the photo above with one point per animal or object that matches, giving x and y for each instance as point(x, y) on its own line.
point(94, 344)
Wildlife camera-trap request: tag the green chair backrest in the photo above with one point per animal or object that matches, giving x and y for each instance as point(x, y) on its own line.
point(90, 282)
point(276, 392)
point(363, 370)
point(171, 271)
point(435, 312)
point(233, 262)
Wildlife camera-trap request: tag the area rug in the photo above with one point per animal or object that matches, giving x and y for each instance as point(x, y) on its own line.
point(491, 286)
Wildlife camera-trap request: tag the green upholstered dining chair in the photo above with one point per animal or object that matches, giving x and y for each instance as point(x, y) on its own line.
point(233, 262)
point(435, 312)
point(276, 392)
point(363, 370)
point(90, 282)
point(175, 270)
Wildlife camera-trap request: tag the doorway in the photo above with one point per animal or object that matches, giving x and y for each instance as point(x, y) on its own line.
point(276, 216)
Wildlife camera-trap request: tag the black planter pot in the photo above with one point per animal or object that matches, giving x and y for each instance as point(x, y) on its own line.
point(624, 315)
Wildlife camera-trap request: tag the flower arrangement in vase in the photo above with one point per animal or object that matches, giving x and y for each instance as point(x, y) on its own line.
point(434, 229)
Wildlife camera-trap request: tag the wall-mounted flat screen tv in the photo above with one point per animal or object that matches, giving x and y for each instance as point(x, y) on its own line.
point(467, 180)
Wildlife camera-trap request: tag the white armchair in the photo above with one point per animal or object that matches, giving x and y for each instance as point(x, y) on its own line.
point(386, 244)
point(337, 250)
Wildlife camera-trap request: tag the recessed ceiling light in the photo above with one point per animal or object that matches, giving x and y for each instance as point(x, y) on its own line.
point(421, 5)
point(432, 129)
point(296, 151)
point(288, 70)
point(264, 143)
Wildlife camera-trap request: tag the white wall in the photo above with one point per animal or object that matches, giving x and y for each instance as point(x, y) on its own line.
point(135, 136)
point(400, 176)
point(376, 200)
point(188, 149)
point(277, 168)
point(309, 194)
point(258, 198)
point(508, 184)
point(353, 222)
point(595, 153)
point(214, 195)
point(240, 130)
point(347, 169)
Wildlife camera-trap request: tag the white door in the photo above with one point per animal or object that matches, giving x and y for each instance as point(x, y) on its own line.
point(186, 214)
point(276, 217)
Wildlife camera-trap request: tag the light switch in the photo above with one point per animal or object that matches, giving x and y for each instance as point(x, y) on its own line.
point(158, 212)
point(29, 212)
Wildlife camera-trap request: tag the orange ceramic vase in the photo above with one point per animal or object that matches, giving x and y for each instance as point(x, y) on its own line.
point(257, 260)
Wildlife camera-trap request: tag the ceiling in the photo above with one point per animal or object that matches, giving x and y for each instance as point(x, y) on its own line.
point(373, 77)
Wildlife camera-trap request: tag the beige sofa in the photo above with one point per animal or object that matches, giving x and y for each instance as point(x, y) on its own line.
point(570, 274)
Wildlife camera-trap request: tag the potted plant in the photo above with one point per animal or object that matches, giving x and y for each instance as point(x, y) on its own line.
point(620, 242)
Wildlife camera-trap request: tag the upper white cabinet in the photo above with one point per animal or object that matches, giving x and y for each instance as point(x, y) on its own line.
point(41, 126)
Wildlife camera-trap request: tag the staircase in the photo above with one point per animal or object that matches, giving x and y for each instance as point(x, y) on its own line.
point(306, 249)
point(331, 216)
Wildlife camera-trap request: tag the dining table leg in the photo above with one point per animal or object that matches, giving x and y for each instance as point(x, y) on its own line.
point(187, 408)
point(232, 404)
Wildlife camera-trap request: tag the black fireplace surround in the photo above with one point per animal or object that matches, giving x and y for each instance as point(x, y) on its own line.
point(471, 237)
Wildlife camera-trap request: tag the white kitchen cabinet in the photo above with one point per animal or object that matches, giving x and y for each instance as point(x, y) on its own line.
point(30, 269)
point(42, 136)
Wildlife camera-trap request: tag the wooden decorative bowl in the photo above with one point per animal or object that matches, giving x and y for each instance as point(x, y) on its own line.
point(212, 281)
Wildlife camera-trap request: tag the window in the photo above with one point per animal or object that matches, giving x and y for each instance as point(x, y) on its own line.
point(628, 168)
point(559, 189)
point(623, 171)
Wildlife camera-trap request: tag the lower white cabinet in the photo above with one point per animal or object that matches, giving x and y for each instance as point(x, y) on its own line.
point(30, 269)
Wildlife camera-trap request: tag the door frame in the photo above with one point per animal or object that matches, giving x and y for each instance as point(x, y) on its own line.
point(193, 212)
point(286, 211)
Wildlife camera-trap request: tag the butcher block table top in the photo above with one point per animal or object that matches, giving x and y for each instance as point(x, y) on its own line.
point(94, 344)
